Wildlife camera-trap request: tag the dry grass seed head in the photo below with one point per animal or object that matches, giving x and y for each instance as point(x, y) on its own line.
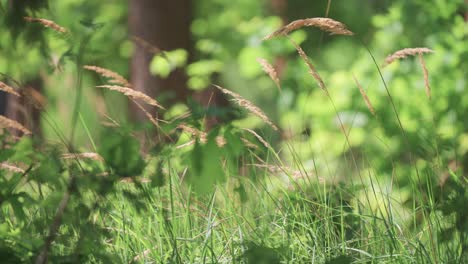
point(146, 45)
point(7, 89)
point(364, 95)
point(85, 155)
point(311, 67)
point(426, 75)
point(403, 53)
point(263, 141)
point(326, 24)
point(153, 120)
point(270, 70)
point(115, 77)
point(134, 95)
point(12, 168)
point(8, 123)
point(47, 23)
point(249, 106)
point(248, 144)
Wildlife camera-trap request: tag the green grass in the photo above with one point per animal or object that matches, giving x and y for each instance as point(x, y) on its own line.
point(312, 223)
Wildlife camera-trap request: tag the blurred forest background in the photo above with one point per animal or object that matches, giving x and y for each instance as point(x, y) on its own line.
point(175, 50)
point(219, 41)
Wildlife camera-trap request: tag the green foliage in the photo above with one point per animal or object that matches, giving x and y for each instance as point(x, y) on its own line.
point(122, 153)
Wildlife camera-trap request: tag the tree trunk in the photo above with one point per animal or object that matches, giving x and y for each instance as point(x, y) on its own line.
point(26, 110)
point(165, 24)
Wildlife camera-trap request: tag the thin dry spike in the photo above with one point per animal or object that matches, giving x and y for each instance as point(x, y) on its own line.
point(134, 95)
point(8, 123)
point(150, 117)
point(405, 53)
point(249, 106)
point(326, 24)
point(190, 143)
point(115, 77)
point(12, 168)
point(248, 144)
point(146, 45)
point(309, 64)
point(85, 155)
point(47, 23)
point(8, 89)
point(270, 70)
point(364, 95)
point(426, 76)
point(263, 141)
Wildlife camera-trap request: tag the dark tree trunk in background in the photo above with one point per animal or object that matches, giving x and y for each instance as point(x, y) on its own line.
point(280, 8)
point(23, 109)
point(165, 24)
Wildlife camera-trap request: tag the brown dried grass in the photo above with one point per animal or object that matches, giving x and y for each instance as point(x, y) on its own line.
point(263, 141)
point(311, 67)
point(146, 45)
point(248, 144)
point(364, 96)
point(270, 70)
point(12, 168)
point(132, 94)
point(249, 106)
point(8, 123)
point(85, 155)
point(426, 75)
point(326, 24)
point(115, 78)
point(47, 23)
point(8, 89)
point(403, 53)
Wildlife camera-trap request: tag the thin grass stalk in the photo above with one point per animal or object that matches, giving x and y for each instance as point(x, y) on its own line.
point(403, 131)
point(322, 85)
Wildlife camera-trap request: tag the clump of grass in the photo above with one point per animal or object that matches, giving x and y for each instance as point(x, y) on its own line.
point(326, 24)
